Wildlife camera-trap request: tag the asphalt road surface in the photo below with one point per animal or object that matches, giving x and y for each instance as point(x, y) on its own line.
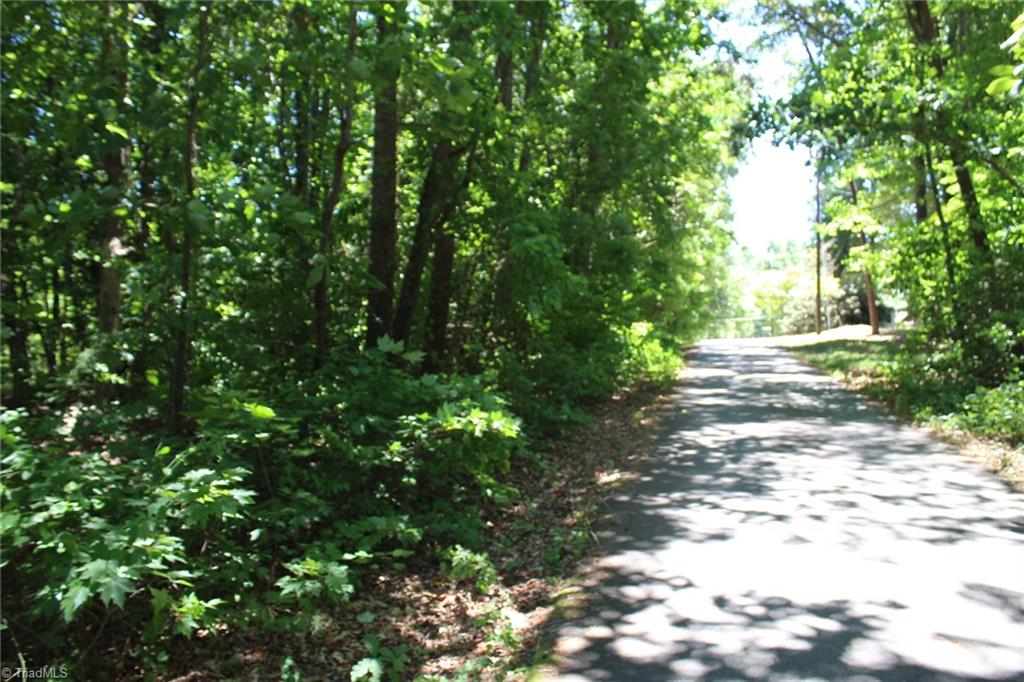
point(787, 529)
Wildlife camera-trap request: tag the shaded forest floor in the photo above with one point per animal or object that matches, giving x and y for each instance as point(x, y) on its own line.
point(418, 623)
point(865, 364)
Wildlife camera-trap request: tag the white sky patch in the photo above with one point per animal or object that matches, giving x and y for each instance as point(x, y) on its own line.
point(773, 191)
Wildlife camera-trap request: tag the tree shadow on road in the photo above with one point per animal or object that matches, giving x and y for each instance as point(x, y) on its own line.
point(772, 494)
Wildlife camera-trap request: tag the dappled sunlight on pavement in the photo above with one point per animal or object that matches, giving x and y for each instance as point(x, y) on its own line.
point(788, 530)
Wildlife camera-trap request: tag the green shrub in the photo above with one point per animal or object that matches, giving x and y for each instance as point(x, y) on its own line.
point(463, 564)
point(996, 411)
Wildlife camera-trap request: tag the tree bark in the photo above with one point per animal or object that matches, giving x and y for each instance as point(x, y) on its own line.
point(438, 199)
point(869, 284)
point(17, 343)
point(320, 302)
point(947, 248)
point(435, 208)
point(440, 298)
point(975, 220)
point(114, 164)
point(531, 85)
point(383, 226)
point(817, 251)
point(179, 372)
point(300, 24)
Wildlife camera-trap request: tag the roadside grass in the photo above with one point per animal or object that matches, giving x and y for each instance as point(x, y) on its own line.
point(985, 423)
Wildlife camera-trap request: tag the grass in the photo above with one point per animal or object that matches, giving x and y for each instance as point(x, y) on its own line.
point(987, 424)
point(849, 356)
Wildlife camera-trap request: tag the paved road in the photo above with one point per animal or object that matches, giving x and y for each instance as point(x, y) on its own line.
point(789, 530)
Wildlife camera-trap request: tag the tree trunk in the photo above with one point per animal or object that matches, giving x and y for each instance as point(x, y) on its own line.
point(538, 27)
point(383, 227)
point(869, 284)
point(179, 373)
point(926, 30)
point(503, 71)
point(435, 208)
point(320, 302)
point(440, 298)
point(817, 251)
point(17, 342)
point(438, 198)
point(975, 221)
point(300, 23)
point(114, 164)
point(947, 248)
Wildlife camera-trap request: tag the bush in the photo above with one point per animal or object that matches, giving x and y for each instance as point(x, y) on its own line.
point(996, 411)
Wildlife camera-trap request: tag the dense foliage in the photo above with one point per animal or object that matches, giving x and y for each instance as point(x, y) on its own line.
point(917, 121)
point(288, 285)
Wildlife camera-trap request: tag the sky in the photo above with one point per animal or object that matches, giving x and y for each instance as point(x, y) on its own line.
point(773, 190)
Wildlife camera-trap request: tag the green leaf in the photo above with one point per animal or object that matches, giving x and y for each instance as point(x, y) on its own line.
point(386, 344)
point(1014, 38)
point(360, 68)
point(413, 357)
point(1001, 86)
point(260, 411)
point(264, 193)
point(76, 596)
point(115, 589)
point(368, 668)
point(366, 617)
point(315, 275)
point(116, 130)
point(198, 213)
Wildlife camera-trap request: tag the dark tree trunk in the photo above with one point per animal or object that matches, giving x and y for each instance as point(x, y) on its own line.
point(435, 207)
point(538, 14)
point(920, 190)
point(975, 221)
point(503, 70)
point(383, 227)
point(78, 302)
point(179, 374)
point(320, 302)
point(869, 283)
point(440, 297)
point(17, 342)
point(58, 311)
point(947, 248)
point(449, 189)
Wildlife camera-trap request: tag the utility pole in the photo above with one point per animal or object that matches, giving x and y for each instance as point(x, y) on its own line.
point(817, 246)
